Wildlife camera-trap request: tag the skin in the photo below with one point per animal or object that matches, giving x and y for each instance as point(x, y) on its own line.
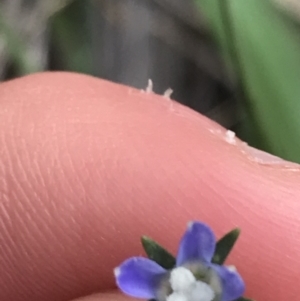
point(88, 166)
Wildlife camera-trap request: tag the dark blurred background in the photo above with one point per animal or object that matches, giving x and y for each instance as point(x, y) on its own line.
point(179, 44)
point(125, 41)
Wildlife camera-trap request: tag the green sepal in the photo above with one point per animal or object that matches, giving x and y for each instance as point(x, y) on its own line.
point(161, 256)
point(225, 245)
point(157, 253)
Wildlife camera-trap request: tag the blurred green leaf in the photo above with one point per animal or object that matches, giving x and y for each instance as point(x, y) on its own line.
point(263, 47)
point(16, 49)
point(157, 253)
point(225, 245)
point(161, 256)
point(71, 36)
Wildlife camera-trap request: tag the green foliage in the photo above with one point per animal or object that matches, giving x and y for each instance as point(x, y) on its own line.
point(225, 245)
point(15, 47)
point(263, 47)
point(165, 259)
point(157, 253)
point(72, 37)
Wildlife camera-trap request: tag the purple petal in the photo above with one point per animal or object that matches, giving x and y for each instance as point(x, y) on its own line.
point(139, 277)
point(197, 244)
point(233, 285)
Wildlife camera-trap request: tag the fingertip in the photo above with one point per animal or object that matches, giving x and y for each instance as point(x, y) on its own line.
point(89, 166)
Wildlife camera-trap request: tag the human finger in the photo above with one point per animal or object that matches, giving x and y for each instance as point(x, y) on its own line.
point(88, 166)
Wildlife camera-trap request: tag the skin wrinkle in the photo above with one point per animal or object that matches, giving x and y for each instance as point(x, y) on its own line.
point(144, 165)
point(19, 187)
point(9, 249)
point(74, 214)
point(21, 210)
point(4, 247)
point(28, 176)
point(78, 182)
point(26, 206)
point(30, 243)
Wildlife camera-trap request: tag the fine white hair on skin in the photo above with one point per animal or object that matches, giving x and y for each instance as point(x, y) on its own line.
point(168, 93)
point(149, 88)
point(230, 137)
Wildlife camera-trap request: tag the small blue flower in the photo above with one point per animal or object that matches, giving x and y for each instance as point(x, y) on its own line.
point(195, 277)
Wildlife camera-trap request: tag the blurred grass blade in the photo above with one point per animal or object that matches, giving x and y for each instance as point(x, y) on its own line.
point(16, 48)
point(225, 245)
point(71, 35)
point(266, 47)
point(157, 253)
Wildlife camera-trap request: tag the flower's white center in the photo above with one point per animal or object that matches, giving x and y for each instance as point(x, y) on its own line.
point(181, 279)
point(201, 291)
point(187, 288)
point(177, 297)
